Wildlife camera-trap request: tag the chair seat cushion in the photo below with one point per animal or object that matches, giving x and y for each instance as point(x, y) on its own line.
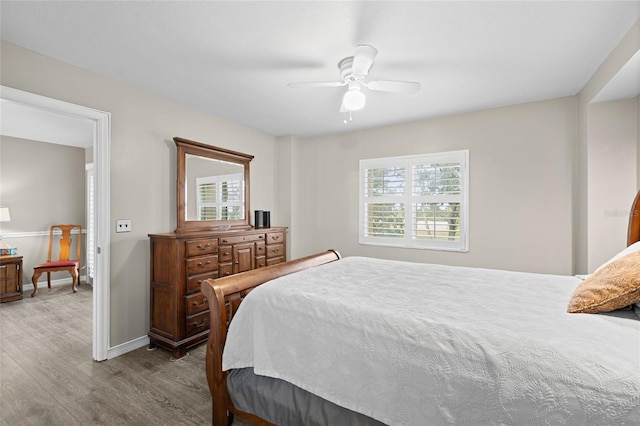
point(58, 264)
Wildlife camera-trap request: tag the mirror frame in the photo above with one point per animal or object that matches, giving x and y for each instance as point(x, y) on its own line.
point(186, 146)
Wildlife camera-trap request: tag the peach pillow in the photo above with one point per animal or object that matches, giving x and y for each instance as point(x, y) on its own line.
point(616, 285)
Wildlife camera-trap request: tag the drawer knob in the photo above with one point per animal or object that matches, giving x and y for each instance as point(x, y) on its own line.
point(202, 303)
point(202, 265)
point(224, 241)
point(206, 246)
point(200, 324)
point(275, 237)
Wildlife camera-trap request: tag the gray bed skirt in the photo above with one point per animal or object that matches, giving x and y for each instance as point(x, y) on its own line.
point(285, 404)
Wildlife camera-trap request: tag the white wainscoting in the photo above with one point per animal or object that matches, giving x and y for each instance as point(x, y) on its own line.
point(8, 235)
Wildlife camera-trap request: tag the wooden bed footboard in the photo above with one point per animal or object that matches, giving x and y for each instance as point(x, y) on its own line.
point(224, 296)
point(633, 233)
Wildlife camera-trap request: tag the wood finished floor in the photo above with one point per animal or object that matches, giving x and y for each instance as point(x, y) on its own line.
point(48, 377)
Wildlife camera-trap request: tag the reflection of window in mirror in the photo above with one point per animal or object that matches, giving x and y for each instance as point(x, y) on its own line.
point(220, 197)
point(214, 189)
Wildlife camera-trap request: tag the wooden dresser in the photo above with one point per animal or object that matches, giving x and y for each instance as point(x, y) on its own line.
point(10, 278)
point(179, 264)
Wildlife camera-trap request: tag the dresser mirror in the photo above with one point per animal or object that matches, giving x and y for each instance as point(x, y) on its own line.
point(213, 187)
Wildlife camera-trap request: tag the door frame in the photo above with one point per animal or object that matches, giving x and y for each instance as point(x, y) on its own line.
point(101, 158)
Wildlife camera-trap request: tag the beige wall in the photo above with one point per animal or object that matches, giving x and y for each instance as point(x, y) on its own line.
point(42, 184)
point(528, 165)
point(520, 185)
point(143, 166)
point(619, 56)
point(612, 176)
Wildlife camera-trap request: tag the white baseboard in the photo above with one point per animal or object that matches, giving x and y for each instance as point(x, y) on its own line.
point(54, 283)
point(129, 346)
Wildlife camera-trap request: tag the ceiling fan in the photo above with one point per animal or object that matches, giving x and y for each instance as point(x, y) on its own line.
point(353, 70)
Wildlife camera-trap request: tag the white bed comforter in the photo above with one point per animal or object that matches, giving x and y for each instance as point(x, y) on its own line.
point(420, 344)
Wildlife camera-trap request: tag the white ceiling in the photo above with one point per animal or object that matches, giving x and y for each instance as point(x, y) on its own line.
point(235, 58)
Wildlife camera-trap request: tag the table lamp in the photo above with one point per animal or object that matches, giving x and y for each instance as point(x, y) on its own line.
point(5, 249)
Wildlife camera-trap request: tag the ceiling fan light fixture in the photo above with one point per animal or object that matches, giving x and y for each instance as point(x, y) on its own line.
point(354, 99)
point(354, 71)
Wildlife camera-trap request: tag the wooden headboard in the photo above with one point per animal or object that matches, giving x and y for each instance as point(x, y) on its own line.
point(224, 296)
point(633, 234)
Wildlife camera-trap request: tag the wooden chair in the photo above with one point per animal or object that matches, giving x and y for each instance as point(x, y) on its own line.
point(64, 263)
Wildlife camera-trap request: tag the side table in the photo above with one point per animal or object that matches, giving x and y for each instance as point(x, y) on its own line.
point(10, 278)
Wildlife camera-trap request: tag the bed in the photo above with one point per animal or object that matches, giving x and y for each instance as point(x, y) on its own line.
point(363, 341)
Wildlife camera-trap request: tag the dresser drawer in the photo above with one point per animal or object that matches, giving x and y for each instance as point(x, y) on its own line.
point(275, 260)
point(202, 264)
point(260, 248)
point(196, 303)
point(193, 283)
point(201, 247)
point(225, 270)
point(261, 262)
point(241, 239)
point(275, 237)
point(197, 323)
point(225, 254)
point(275, 250)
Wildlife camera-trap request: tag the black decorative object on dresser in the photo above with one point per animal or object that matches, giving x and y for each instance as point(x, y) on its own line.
point(213, 238)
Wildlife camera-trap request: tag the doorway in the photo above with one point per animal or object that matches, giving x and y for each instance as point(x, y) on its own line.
point(100, 249)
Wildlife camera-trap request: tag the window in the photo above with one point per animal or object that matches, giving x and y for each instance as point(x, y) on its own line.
point(415, 201)
point(220, 197)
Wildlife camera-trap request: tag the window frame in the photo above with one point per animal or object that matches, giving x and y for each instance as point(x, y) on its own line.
point(407, 198)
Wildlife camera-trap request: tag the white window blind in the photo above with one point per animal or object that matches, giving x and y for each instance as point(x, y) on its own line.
point(220, 197)
point(91, 215)
point(415, 201)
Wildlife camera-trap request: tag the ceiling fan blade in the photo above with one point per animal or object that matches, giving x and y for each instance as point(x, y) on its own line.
point(317, 84)
point(363, 59)
point(393, 86)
